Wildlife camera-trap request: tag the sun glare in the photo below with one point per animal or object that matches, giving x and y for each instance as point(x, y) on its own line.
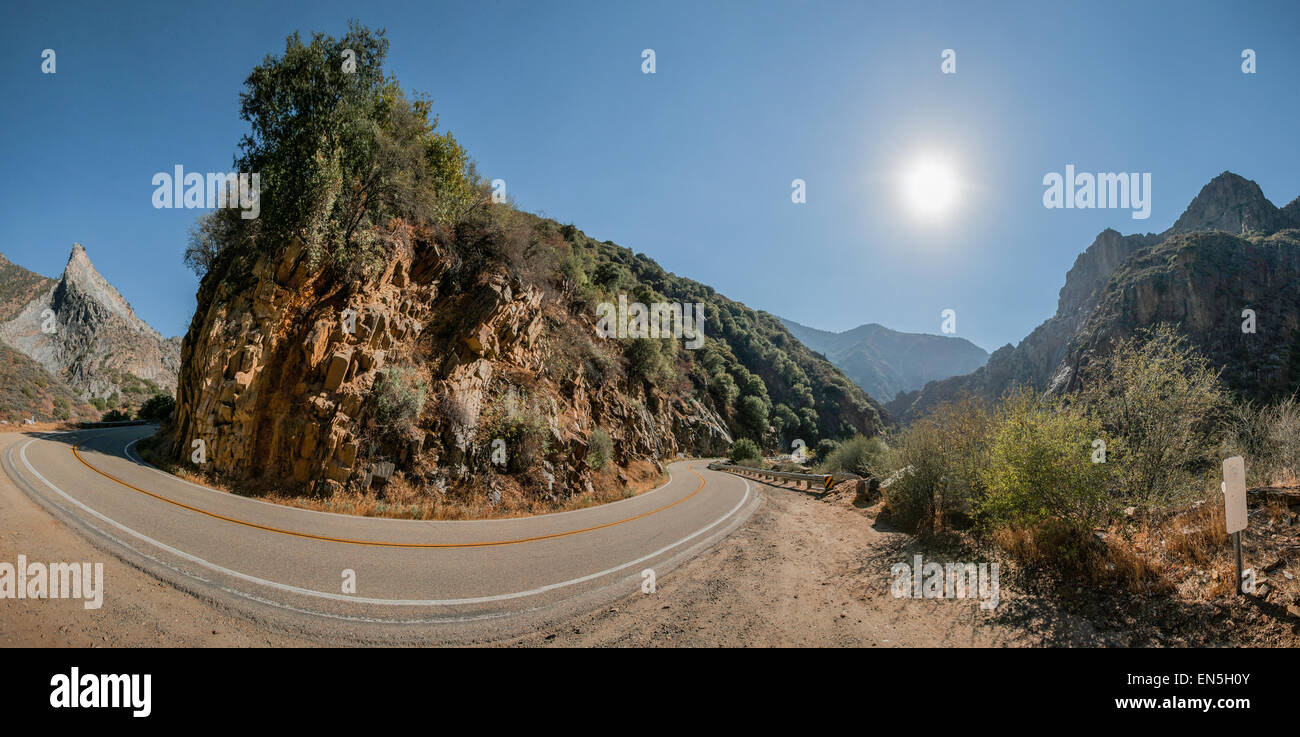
point(930, 187)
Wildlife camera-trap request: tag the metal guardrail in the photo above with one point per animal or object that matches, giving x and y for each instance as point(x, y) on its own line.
point(825, 481)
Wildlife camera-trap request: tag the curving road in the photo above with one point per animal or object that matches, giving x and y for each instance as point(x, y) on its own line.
point(461, 581)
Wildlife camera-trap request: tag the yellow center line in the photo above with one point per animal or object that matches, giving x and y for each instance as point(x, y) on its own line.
point(381, 543)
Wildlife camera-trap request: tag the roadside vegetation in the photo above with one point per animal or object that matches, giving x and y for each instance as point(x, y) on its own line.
point(1116, 483)
point(745, 452)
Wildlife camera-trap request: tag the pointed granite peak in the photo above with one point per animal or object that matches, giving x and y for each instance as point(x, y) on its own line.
point(79, 267)
point(81, 274)
point(1230, 203)
point(78, 256)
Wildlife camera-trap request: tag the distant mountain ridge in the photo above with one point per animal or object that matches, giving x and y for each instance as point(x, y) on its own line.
point(886, 362)
point(1230, 250)
point(80, 330)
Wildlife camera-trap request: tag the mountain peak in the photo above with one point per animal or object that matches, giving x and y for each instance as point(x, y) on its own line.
point(1231, 203)
point(98, 345)
point(81, 274)
point(79, 262)
point(79, 256)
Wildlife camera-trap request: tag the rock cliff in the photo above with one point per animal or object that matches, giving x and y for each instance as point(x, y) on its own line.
point(81, 330)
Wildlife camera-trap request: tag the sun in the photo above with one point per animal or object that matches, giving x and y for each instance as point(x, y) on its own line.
point(931, 187)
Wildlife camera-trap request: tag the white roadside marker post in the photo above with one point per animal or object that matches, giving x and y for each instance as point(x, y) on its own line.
point(1234, 505)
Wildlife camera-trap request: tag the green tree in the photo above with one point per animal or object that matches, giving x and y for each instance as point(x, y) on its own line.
point(341, 150)
point(753, 416)
point(157, 408)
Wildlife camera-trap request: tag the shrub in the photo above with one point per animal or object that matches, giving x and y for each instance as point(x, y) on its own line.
point(524, 429)
point(1157, 400)
point(600, 448)
point(1040, 471)
point(825, 446)
point(398, 396)
point(115, 415)
point(931, 473)
point(1268, 437)
point(917, 467)
point(745, 451)
point(859, 455)
point(1281, 451)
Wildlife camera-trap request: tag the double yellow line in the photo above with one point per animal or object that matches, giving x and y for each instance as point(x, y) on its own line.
point(380, 543)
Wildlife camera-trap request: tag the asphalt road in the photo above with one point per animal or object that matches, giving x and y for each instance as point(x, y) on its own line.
point(441, 581)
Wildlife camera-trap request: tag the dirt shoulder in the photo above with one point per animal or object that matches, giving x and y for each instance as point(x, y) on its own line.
point(802, 572)
point(811, 571)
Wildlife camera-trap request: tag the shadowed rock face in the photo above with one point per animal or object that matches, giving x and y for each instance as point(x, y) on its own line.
point(1201, 282)
point(1230, 250)
point(81, 330)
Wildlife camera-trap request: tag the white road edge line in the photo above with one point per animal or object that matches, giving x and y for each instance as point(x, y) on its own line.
point(367, 600)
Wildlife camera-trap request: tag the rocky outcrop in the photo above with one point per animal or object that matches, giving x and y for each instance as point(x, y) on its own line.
point(1201, 283)
point(81, 330)
point(1233, 204)
point(284, 372)
point(1127, 276)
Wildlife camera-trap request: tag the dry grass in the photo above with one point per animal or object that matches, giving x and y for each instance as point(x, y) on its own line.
point(1109, 559)
point(1186, 551)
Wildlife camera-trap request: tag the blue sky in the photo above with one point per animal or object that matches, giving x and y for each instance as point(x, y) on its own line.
point(691, 165)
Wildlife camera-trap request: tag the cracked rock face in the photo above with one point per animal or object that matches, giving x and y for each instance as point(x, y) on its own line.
point(82, 330)
point(279, 373)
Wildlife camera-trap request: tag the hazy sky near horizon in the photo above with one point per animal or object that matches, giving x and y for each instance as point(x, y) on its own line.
point(691, 165)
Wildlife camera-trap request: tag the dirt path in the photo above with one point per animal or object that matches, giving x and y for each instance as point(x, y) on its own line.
point(801, 572)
